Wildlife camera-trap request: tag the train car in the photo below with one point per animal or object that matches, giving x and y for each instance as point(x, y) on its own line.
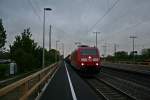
point(67, 59)
point(86, 59)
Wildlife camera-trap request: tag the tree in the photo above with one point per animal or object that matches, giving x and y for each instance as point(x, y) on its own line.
point(50, 56)
point(110, 58)
point(146, 53)
point(53, 55)
point(22, 51)
point(133, 53)
point(27, 54)
point(2, 35)
point(121, 55)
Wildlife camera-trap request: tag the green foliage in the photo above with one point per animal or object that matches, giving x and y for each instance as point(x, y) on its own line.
point(2, 35)
point(110, 58)
point(27, 54)
point(121, 55)
point(50, 56)
point(38, 56)
point(3, 70)
point(146, 53)
point(53, 55)
point(4, 55)
point(22, 51)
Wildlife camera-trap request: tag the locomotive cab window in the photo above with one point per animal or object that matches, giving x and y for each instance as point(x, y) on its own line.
point(88, 52)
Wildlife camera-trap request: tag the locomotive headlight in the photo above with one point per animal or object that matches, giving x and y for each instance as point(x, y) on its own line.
point(89, 57)
point(95, 59)
point(83, 59)
point(97, 64)
point(82, 64)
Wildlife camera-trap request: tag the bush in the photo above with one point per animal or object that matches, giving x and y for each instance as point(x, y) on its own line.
point(4, 68)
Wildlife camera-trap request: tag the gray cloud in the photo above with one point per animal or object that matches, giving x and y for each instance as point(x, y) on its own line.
point(71, 19)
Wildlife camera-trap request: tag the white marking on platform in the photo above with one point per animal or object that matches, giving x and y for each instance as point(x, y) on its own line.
point(70, 83)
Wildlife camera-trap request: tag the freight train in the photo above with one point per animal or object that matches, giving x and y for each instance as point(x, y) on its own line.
point(85, 59)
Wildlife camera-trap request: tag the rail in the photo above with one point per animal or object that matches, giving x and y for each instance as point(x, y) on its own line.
point(106, 91)
point(28, 88)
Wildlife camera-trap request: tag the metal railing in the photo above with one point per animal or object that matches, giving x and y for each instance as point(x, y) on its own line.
point(28, 87)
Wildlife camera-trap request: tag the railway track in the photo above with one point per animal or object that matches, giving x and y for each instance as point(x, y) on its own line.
point(141, 79)
point(106, 91)
point(133, 89)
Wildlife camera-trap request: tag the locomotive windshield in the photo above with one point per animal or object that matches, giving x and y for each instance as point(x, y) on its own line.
point(88, 52)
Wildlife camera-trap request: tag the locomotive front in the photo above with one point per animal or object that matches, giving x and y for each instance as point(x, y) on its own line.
point(89, 59)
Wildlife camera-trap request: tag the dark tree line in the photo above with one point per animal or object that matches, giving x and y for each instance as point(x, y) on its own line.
point(124, 56)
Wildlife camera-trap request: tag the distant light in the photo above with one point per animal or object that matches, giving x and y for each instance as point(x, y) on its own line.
point(47, 9)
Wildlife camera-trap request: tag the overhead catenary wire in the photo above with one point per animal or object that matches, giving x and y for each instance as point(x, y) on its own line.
point(59, 29)
point(34, 10)
point(37, 5)
point(105, 14)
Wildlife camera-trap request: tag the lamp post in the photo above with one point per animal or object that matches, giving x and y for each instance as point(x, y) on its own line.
point(50, 40)
point(43, 60)
point(63, 49)
point(56, 49)
point(57, 43)
point(96, 37)
point(133, 38)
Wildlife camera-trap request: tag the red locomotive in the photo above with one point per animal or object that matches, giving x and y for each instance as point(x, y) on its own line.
point(86, 59)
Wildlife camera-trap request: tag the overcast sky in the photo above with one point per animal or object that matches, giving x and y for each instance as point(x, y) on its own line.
point(76, 20)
